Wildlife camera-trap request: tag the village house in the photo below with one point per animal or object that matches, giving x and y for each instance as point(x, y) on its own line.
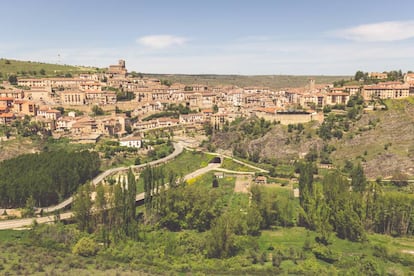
point(99, 97)
point(145, 125)
point(46, 123)
point(91, 77)
point(208, 99)
point(192, 99)
point(65, 123)
point(261, 179)
point(335, 98)
point(9, 93)
point(48, 113)
point(218, 120)
point(167, 122)
point(386, 91)
point(72, 98)
point(131, 142)
point(235, 97)
point(90, 86)
point(84, 125)
point(112, 125)
point(6, 118)
point(49, 82)
point(39, 94)
point(25, 107)
point(192, 118)
point(353, 89)
point(4, 109)
point(378, 76)
point(6, 101)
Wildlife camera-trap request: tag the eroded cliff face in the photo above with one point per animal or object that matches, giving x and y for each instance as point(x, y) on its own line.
point(382, 140)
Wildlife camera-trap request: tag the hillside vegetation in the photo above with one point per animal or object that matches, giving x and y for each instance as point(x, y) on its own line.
point(381, 139)
point(39, 69)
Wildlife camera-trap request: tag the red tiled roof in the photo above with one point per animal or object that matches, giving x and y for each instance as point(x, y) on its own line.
point(6, 99)
point(7, 115)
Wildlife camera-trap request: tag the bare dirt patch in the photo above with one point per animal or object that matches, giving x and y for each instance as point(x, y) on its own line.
point(242, 183)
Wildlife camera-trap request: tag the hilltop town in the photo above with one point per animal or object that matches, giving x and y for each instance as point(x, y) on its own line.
point(115, 103)
point(279, 180)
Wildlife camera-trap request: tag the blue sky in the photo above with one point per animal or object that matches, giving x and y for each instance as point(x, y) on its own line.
point(219, 37)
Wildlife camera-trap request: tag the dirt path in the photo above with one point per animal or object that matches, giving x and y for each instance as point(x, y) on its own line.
point(242, 183)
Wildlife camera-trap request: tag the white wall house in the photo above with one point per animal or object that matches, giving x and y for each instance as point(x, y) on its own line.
point(131, 142)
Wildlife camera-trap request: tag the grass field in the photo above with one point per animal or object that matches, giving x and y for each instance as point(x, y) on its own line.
point(186, 162)
point(234, 166)
point(294, 239)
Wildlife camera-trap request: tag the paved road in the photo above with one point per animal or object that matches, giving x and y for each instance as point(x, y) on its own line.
point(234, 172)
point(210, 167)
point(19, 223)
point(178, 148)
point(238, 161)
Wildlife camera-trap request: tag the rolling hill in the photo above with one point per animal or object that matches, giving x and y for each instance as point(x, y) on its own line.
point(39, 69)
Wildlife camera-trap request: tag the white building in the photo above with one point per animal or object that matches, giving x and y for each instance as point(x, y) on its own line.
point(131, 142)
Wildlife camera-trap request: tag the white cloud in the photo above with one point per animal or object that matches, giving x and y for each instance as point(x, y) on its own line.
point(383, 31)
point(161, 41)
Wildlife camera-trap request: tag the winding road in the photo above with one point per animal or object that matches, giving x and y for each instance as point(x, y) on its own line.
point(178, 148)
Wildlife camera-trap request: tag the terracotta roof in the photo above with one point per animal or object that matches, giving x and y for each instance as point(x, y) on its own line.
point(267, 109)
point(53, 111)
point(130, 138)
point(6, 99)
point(6, 115)
point(337, 94)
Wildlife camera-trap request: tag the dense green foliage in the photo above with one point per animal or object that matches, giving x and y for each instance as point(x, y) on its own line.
point(48, 177)
point(352, 208)
point(112, 214)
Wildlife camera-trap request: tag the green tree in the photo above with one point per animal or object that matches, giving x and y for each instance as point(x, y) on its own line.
point(358, 181)
point(29, 209)
point(82, 208)
point(97, 111)
point(222, 242)
point(13, 79)
point(130, 210)
point(253, 220)
point(359, 75)
point(215, 182)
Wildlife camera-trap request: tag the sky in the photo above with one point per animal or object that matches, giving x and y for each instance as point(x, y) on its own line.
point(249, 37)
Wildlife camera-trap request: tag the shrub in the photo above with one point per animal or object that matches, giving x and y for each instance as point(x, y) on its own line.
point(85, 247)
point(325, 254)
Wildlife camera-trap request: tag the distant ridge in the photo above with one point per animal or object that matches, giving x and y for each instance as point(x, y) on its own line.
point(271, 81)
point(33, 69)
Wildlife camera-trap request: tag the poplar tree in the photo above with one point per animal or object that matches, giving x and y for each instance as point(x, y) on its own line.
point(82, 208)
